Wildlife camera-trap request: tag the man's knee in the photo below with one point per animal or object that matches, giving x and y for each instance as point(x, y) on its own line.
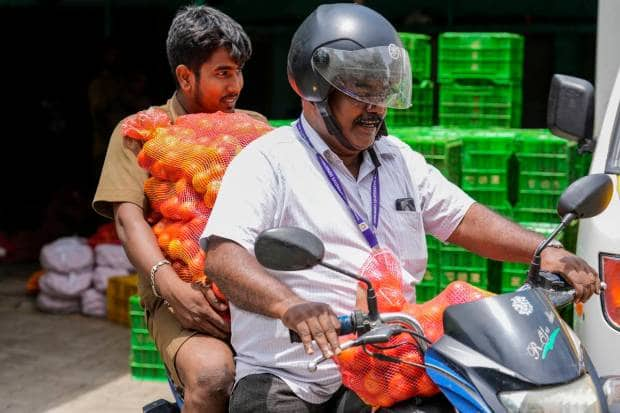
point(206, 367)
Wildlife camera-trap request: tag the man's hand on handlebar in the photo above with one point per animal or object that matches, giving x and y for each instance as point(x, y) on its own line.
point(314, 321)
point(583, 278)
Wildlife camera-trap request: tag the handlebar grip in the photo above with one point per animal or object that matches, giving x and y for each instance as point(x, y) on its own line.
point(346, 327)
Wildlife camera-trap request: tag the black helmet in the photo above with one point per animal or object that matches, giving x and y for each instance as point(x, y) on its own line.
point(351, 48)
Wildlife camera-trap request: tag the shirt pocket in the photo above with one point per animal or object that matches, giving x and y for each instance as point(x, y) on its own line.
point(410, 242)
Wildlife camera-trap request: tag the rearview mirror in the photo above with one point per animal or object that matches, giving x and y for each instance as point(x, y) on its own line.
point(570, 108)
point(288, 249)
point(586, 197)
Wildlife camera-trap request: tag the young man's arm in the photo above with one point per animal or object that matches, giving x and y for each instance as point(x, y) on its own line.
point(486, 233)
point(186, 302)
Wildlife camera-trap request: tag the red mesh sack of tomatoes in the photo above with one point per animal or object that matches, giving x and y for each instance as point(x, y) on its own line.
point(186, 162)
point(380, 382)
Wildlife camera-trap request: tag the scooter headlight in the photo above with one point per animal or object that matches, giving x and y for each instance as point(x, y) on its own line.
point(578, 397)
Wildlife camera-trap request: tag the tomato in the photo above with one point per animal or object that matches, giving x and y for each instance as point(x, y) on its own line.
point(211, 193)
point(200, 181)
point(373, 383)
point(175, 249)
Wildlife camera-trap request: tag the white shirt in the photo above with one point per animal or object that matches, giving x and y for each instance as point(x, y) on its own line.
point(276, 181)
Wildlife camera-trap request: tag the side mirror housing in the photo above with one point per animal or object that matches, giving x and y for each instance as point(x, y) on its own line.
point(570, 109)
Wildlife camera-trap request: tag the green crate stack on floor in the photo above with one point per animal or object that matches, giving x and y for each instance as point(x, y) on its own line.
point(546, 166)
point(441, 148)
point(480, 79)
point(422, 97)
point(145, 361)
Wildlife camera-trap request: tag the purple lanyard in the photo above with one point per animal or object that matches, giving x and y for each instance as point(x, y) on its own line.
point(368, 233)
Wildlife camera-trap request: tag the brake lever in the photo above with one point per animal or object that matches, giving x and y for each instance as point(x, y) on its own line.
point(381, 334)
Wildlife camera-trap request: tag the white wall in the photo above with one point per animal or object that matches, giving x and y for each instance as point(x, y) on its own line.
point(607, 55)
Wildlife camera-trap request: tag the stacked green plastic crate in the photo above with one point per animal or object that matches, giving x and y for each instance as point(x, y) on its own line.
point(421, 111)
point(145, 361)
point(480, 79)
point(276, 123)
point(429, 286)
point(546, 166)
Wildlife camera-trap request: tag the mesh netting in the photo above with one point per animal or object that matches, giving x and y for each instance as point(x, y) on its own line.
point(186, 162)
point(382, 383)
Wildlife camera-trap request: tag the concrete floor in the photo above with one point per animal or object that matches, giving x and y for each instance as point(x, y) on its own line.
point(63, 363)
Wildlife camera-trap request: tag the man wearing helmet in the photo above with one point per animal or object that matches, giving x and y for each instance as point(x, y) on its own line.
point(336, 173)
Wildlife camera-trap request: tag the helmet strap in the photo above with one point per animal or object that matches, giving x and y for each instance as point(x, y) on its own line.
point(330, 123)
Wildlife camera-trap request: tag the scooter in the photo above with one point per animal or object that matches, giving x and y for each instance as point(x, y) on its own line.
point(507, 353)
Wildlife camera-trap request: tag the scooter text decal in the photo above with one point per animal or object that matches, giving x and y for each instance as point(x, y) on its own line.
point(546, 343)
point(521, 305)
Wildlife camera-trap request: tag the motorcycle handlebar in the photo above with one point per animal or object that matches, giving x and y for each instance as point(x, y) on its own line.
point(346, 327)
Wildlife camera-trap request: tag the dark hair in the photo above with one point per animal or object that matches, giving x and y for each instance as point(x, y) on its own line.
point(197, 31)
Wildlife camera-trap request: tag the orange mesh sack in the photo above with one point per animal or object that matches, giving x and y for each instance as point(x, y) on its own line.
point(186, 162)
point(382, 383)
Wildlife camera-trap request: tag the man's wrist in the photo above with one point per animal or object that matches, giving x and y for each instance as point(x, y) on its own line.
point(155, 269)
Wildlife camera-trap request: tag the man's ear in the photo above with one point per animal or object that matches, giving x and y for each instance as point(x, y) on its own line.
point(185, 78)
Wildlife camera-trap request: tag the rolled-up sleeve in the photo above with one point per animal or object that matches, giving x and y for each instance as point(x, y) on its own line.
point(246, 203)
point(442, 203)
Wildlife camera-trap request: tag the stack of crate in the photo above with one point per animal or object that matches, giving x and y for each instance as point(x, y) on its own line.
point(145, 361)
point(480, 77)
point(420, 113)
point(487, 160)
point(441, 148)
point(429, 286)
point(546, 166)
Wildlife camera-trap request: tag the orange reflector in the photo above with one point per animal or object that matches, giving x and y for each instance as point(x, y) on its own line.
point(610, 297)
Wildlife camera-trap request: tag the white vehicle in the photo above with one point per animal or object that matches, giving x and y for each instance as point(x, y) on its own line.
point(570, 114)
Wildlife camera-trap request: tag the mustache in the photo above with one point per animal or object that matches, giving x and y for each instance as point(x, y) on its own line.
point(371, 117)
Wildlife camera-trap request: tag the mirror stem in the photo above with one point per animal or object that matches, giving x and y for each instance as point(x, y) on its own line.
point(373, 311)
point(535, 265)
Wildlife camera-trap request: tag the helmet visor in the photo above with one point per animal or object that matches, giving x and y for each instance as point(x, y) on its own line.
point(377, 75)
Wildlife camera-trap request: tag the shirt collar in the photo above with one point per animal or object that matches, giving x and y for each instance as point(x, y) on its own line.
point(175, 107)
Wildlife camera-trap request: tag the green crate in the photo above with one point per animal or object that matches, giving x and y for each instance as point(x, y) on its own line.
point(496, 56)
point(146, 354)
point(475, 276)
point(540, 199)
point(432, 246)
point(455, 256)
point(491, 197)
point(490, 149)
point(134, 303)
point(276, 123)
point(535, 214)
point(513, 276)
point(480, 104)
point(137, 320)
point(141, 337)
point(421, 111)
point(418, 47)
point(148, 372)
point(582, 164)
point(443, 152)
point(475, 179)
point(426, 291)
